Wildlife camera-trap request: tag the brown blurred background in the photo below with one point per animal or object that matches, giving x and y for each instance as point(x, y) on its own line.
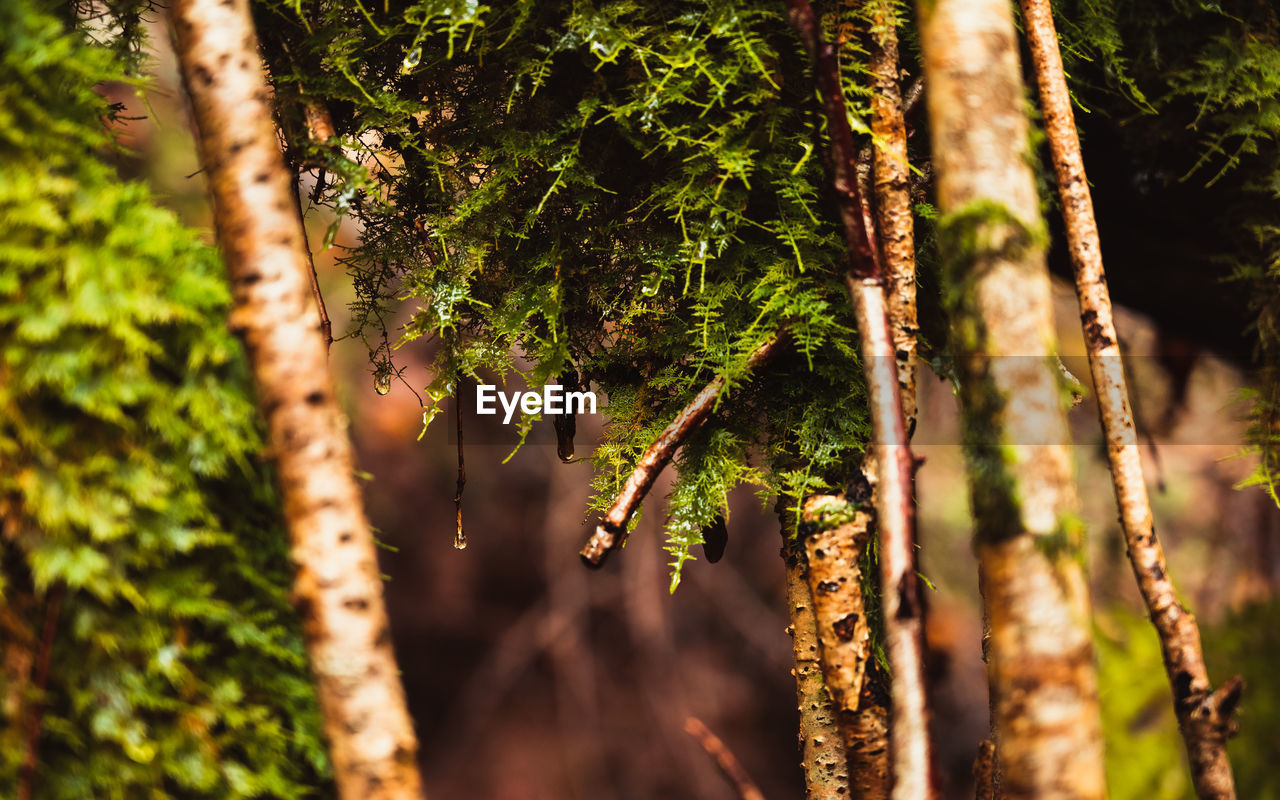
point(531, 678)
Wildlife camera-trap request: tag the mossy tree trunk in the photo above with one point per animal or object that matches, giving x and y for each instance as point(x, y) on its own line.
point(338, 588)
point(1028, 538)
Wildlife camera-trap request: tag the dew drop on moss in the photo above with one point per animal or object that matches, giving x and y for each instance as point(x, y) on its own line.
point(411, 59)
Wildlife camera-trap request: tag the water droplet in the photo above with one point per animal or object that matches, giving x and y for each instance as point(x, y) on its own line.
point(411, 59)
point(459, 540)
point(382, 382)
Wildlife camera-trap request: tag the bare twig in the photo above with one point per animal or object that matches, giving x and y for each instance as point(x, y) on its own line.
point(459, 537)
point(338, 588)
point(612, 530)
point(894, 218)
point(894, 507)
point(984, 771)
point(724, 758)
point(1204, 716)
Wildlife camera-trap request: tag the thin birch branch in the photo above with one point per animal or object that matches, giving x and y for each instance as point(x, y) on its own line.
point(909, 744)
point(611, 532)
point(338, 586)
point(1204, 716)
point(728, 763)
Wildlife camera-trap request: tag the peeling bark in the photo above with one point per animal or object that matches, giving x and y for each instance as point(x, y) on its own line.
point(611, 532)
point(835, 536)
point(1204, 727)
point(724, 758)
point(894, 222)
point(338, 589)
point(826, 771)
point(1040, 655)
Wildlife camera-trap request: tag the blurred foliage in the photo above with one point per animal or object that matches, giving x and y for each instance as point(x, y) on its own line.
point(1146, 759)
point(131, 485)
point(633, 190)
point(1247, 643)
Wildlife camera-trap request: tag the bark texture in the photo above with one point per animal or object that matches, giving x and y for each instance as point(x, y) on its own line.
point(894, 222)
point(822, 751)
point(1028, 539)
point(909, 744)
point(1203, 716)
point(725, 759)
point(835, 534)
point(338, 588)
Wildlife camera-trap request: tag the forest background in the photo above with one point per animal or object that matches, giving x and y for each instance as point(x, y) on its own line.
point(531, 678)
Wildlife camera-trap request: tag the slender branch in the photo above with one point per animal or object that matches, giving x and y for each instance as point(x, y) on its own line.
point(724, 758)
point(611, 532)
point(895, 510)
point(459, 537)
point(984, 771)
point(338, 587)
point(1205, 727)
point(855, 211)
point(320, 130)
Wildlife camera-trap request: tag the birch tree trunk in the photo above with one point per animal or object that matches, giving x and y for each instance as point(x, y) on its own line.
point(1204, 716)
point(338, 589)
point(1028, 538)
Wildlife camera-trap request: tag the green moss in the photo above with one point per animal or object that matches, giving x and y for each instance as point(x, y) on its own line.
point(1065, 540)
point(971, 241)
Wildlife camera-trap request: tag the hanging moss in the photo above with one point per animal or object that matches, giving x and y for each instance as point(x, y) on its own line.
point(632, 190)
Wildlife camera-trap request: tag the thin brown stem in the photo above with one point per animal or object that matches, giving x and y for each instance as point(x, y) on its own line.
point(835, 536)
point(40, 682)
point(1028, 539)
point(326, 326)
point(459, 537)
point(894, 220)
point(894, 507)
point(612, 529)
point(1205, 717)
point(724, 758)
point(855, 210)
